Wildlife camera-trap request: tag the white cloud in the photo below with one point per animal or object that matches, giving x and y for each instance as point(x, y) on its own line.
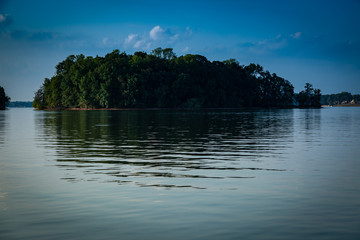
point(131, 38)
point(175, 37)
point(138, 42)
point(157, 36)
point(156, 33)
point(105, 40)
point(186, 49)
point(142, 44)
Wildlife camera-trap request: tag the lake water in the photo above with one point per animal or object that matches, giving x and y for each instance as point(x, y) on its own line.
point(246, 174)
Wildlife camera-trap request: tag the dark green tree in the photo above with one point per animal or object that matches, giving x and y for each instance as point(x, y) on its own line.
point(157, 52)
point(39, 99)
point(309, 97)
point(4, 99)
point(161, 79)
point(168, 53)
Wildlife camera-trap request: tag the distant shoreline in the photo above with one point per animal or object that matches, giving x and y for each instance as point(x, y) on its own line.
point(152, 109)
point(342, 105)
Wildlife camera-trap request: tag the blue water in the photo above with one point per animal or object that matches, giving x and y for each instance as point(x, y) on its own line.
point(215, 174)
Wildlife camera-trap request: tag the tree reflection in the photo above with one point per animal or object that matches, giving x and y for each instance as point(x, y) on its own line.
point(2, 127)
point(166, 148)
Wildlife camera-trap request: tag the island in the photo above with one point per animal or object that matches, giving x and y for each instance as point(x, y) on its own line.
point(163, 80)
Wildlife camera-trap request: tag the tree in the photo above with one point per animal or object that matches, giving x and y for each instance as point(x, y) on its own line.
point(39, 101)
point(4, 100)
point(309, 97)
point(231, 61)
point(316, 98)
point(157, 52)
point(168, 53)
point(161, 79)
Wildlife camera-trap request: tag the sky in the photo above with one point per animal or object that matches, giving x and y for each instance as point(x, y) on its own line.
point(302, 41)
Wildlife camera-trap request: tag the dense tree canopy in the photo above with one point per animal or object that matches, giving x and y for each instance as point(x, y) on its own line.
point(160, 80)
point(4, 100)
point(309, 97)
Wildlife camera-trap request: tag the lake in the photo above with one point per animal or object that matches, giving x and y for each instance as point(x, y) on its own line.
point(166, 174)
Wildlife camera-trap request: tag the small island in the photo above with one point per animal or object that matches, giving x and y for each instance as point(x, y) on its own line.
point(163, 80)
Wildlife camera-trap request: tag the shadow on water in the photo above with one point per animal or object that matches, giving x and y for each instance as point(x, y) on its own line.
point(166, 148)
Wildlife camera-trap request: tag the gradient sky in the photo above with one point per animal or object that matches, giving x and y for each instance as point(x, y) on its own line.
point(302, 41)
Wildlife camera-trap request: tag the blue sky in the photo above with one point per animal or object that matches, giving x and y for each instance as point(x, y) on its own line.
point(302, 41)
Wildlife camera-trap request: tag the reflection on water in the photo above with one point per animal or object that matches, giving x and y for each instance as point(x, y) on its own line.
point(2, 141)
point(260, 174)
point(2, 128)
point(166, 148)
point(311, 120)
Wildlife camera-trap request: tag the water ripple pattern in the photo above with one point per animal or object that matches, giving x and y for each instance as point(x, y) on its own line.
point(166, 148)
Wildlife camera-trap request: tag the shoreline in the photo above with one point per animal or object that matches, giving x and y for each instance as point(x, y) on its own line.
point(342, 105)
point(157, 109)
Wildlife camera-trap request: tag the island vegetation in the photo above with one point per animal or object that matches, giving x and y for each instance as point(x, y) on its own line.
point(309, 97)
point(341, 99)
point(163, 80)
point(4, 99)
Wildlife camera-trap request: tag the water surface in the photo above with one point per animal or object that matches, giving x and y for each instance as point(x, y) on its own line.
point(252, 174)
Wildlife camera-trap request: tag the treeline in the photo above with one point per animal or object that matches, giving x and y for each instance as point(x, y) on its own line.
point(160, 80)
point(340, 98)
point(20, 104)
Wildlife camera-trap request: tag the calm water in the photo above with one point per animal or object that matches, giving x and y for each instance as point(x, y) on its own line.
point(264, 174)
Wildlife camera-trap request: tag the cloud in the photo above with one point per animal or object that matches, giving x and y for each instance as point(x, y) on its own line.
point(136, 41)
point(131, 38)
point(105, 41)
point(157, 36)
point(186, 49)
point(5, 20)
point(142, 44)
point(156, 33)
point(175, 37)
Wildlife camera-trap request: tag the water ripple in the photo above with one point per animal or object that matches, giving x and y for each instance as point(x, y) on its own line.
point(143, 146)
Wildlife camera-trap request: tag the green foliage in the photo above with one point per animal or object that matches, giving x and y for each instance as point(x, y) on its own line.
point(166, 53)
point(39, 99)
point(4, 99)
point(309, 97)
point(160, 79)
